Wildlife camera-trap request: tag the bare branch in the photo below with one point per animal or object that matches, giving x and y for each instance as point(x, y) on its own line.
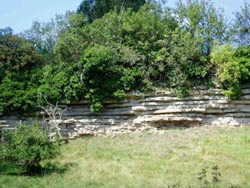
point(54, 113)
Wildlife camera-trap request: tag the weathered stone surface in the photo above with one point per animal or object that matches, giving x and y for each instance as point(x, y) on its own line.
point(154, 112)
point(162, 120)
point(69, 121)
point(162, 110)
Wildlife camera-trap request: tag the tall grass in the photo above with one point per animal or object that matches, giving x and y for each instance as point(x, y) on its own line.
point(177, 158)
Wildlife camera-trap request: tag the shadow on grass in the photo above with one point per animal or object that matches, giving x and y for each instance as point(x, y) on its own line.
point(50, 168)
point(7, 168)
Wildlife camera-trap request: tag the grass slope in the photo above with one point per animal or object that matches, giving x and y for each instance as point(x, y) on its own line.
point(173, 159)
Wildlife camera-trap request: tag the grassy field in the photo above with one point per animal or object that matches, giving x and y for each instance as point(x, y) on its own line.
point(177, 158)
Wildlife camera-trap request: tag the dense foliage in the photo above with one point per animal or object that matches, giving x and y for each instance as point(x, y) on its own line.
point(19, 65)
point(108, 48)
point(233, 68)
point(27, 147)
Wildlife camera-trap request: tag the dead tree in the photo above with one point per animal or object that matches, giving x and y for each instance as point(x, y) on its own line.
point(52, 114)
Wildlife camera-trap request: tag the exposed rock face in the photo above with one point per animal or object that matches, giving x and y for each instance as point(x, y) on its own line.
point(3, 127)
point(161, 110)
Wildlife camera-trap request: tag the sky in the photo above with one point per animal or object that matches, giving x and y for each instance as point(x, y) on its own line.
point(20, 14)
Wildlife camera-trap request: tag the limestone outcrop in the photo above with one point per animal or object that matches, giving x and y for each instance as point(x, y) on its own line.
point(158, 111)
point(161, 110)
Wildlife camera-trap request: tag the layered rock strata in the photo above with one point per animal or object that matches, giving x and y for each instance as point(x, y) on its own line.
point(159, 111)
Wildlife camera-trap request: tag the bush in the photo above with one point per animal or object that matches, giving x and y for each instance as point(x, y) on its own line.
point(104, 78)
point(26, 147)
point(233, 68)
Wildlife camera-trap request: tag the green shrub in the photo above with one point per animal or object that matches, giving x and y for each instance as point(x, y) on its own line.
point(233, 68)
point(104, 78)
point(182, 91)
point(26, 147)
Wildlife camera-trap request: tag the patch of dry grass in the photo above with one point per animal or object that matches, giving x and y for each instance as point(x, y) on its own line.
point(150, 161)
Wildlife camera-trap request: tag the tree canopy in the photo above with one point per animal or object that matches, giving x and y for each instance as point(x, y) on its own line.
point(241, 25)
point(94, 9)
point(109, 48)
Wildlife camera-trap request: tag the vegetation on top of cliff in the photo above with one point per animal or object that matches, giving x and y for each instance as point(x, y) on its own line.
point(108, 48)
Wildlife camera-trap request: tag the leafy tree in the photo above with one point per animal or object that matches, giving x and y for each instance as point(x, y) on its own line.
point(18, 63)
point(111, 47)
point(71, 46)
point(233, 68)
point(25, 72)
point(134, 36)
point(44, 35)
point(104, 78)
point(184, 62)
point(144, 32)
point(17, 54)
point(94, 9)
point(61, 82)
point(17, 95)
point(146, 41)
point(6, 31)
point(241, 25)
point(203, 21)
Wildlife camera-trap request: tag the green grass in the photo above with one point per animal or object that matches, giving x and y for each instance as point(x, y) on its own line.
point(145, 160)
